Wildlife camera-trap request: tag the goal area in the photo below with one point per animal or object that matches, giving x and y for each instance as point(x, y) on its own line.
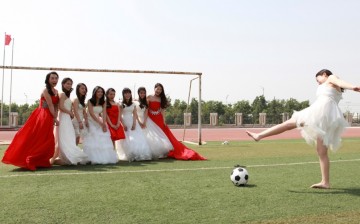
point(195, 76)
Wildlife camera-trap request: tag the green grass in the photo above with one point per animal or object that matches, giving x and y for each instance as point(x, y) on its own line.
point(171, 191)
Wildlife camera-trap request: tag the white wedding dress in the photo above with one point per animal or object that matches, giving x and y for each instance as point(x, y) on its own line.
point(135, 146)
point(80, 132)
point(323, 119)
point(97, 144)
point(156, 138)
point(69, 153)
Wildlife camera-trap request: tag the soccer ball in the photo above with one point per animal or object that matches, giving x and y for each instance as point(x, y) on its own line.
point(239, 176)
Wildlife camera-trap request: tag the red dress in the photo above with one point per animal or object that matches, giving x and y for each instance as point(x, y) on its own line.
point(113, 114)
point(180, 151)
point(33, 145)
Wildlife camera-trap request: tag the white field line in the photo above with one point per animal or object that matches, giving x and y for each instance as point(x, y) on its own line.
point(167, 170)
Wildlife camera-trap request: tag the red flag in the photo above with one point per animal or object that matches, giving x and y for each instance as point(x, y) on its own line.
point(7, 39)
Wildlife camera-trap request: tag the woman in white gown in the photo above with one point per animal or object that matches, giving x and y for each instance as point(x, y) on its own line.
point(322, 123)
point(156, 138)
point(97, 143)
point(135, 146)
point(69, 153)
point(80, 120)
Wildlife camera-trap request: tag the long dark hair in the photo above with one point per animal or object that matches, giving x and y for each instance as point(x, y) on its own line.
point(47, 82)
point(328, 73)
point(124, 102)
point(143, 101)
point(79, 96)
point(108, 104)
point(93, 97)
point(164, 102)
point(67, 92)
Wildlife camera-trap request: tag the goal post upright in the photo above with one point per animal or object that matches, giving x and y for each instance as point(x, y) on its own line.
point(121, 71)
point(199, 111)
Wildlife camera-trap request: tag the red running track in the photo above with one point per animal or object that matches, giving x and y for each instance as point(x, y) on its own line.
point(216, 134)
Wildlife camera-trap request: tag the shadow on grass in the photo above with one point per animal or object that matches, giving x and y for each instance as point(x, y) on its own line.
point(248, 186)
point(334, 191)
point(97, 167)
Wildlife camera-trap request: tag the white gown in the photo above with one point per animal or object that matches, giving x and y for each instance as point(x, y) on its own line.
point(156, 138)
point(323, 119)
point(78, 131)
point(97, 144)
point(135, 146)
point(69, 153)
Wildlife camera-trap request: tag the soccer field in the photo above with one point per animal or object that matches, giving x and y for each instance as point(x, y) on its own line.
point(172, 191)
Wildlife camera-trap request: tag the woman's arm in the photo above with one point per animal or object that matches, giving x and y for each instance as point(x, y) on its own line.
point(76, 113)
point(104, 117)
point(49, 103)
point(342, 84)
point(135, 117)
point(119, 117)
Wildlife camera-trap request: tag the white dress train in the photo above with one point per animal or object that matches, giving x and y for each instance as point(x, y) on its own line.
point(135, 146)
point(156, 138)
point(97, 144)
point(69, 153)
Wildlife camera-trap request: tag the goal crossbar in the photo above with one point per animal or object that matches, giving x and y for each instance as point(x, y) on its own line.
point(199, 74)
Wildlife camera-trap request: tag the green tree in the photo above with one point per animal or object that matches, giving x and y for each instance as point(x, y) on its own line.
point(273, 112)
point(243, 107)
point(258, 106)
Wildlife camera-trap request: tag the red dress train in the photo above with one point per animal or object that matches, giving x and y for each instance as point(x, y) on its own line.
point(33, 145)
point(113, 114)
point(180, 151)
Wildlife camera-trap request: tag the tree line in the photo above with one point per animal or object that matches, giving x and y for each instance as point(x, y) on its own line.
point(226, 112)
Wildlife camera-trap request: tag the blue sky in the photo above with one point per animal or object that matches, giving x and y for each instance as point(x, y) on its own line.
point(241, 47)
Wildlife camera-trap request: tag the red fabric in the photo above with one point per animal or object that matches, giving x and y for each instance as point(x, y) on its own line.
point(33, 145)
point(113, 114)
point(180, 151)
point(7, 39)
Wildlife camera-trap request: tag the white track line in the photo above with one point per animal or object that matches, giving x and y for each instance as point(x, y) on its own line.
point(166, 170)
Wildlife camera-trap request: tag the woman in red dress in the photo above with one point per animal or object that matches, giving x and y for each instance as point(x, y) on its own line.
point(113, 111)
point(156, 112)
point(33, 145)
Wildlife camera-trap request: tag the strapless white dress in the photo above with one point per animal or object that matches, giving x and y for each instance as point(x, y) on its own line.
point(69, 153)
point(156, 138)
point(97, 144)
point(135, 146)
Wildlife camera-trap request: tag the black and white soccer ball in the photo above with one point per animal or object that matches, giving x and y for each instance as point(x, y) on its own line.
point(239, 176)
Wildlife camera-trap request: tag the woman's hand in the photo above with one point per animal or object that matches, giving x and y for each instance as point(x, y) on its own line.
point(104, 128)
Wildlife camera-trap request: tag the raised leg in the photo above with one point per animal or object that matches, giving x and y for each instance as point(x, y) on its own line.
point(275, 130)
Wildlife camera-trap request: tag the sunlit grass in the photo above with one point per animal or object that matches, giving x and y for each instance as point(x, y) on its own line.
point(171, 191)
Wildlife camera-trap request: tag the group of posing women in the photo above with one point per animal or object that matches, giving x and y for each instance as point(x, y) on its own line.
point(110, 131)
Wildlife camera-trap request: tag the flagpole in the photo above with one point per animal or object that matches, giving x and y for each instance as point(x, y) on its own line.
point(2, 89)
point(12, 60)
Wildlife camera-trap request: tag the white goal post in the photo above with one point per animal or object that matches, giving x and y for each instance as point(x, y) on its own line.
point(198, 74)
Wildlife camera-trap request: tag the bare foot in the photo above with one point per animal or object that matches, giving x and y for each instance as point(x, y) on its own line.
point(320, 186)
point(253, 135)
